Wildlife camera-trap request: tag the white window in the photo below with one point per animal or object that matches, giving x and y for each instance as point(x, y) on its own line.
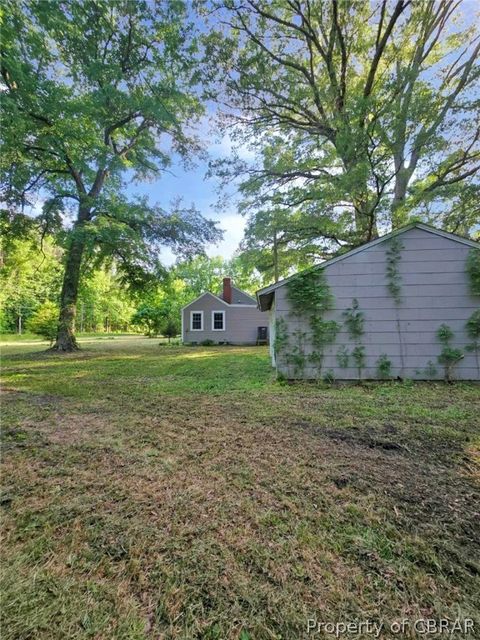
point(196, 320)
point(218, 320)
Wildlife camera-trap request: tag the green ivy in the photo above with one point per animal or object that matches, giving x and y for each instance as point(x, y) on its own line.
point(355, 320)
point(394, 279)
point(472, 328)
point(309, 293)
point(358, 355)
point(449, 356)
point(329, 377)
point(384, 367)
point(281, 336)
point(297, 357)
point(473, 270)
point(343, 357)
point(429, 372)
point(310, 296)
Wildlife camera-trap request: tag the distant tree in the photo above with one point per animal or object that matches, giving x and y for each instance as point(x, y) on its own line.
point(149, 317)
point(200, 274)
point(43, 322)
point(91, 92)
point(30, 271)
point(171, 322)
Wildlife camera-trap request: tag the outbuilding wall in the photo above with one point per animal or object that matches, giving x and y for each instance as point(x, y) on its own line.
point(434, 290)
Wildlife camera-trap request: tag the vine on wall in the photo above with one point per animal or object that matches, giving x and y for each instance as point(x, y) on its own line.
point(472, 328)
point(449, 356)
point(384, 367)
point(280, 342)
point(394, 283)
point(343, 357)
point(310, 297)
point(394, 279)
point(355, 322)
point(473, 270)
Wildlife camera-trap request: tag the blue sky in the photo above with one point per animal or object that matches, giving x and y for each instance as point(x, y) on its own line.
point(194, 187)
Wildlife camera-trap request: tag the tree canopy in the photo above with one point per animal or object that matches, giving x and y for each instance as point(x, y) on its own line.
point(362, 114)
point(94, 93)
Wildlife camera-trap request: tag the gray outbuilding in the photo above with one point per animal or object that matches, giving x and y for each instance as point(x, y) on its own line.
point(396, 307)
point(229, 318)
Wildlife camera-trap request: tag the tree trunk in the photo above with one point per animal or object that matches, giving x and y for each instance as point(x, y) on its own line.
point(66, 341)
point(399, 214)
point(276, 274)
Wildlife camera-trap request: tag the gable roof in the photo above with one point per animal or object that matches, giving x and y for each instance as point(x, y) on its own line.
point(209, 293)
point(264, 298)
point(240, 291)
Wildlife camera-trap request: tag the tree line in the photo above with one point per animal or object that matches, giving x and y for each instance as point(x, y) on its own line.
point(31, 280)
point(358, 117)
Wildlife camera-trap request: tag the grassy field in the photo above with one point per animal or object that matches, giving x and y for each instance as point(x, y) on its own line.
point(167, 492)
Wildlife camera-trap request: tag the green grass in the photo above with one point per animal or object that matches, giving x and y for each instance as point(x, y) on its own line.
point(167, 492)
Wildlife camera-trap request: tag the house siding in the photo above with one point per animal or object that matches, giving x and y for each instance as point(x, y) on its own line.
point(241, 322)
point(434, 290)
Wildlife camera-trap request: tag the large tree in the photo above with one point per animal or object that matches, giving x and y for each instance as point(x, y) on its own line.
point(361, 113)
point(94, 93)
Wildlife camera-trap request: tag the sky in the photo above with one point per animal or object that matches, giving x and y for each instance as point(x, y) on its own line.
point(195, 188)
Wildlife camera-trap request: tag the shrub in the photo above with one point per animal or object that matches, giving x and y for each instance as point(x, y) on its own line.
point(44, 322)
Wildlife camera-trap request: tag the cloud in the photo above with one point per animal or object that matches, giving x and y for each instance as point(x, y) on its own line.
point(234, 226)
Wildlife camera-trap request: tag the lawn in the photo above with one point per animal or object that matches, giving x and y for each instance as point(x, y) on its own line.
point(156, 492)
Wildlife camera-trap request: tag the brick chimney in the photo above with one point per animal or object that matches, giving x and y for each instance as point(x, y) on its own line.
point(227, 290)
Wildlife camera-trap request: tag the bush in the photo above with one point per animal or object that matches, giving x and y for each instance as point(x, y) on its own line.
point(44, 321)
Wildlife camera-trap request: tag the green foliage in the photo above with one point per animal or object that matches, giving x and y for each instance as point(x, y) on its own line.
point(343, 357)
point(44, 322)
point(149, 317)
point(354, 124)
point(296, 357)
point(355, 320)
point(310, 297)
point(29, 274)
point(309, 293)
point(329, 377)
point(158, 315)
point(384, 367)
point(274, 242)
point(103, 303)
point(207, 342)
point(281, 336)
point(430, 372)
point(94, 92)
point(473, 270)
point(394, 279)
point(472, 326)
point(472, 329)
point(358, 355)
point(431, 369)
point(449, 355)
point(444, 334)
point(324, 332)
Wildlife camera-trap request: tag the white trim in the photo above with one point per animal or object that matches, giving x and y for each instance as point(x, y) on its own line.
point(200, 311)
point(181, 318)
point(214, 311)
point(367, 245)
